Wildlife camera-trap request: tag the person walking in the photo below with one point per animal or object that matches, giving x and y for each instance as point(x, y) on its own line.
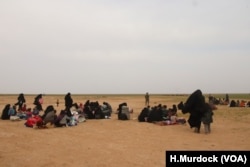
point(207, 118)
point(68, 101)
point(20, 101)
point(38, 101)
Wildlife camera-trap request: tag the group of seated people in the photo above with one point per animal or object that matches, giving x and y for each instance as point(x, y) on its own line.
point(89, 110)
point(225, 101)
point(10, 112)
point(238, 103)
point(123, 112)
point(34, 118)
point(220, 101)
point(160, 113)
point(67, 117)
point(93, 110)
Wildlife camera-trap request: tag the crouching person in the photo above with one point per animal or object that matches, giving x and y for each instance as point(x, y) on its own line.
point(49, 115)
point(61, 119)
point(106, 109)
point(143, 116)
point(34, 121)
point(123, 112)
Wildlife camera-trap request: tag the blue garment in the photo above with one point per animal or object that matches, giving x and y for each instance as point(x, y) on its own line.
point(11, 112)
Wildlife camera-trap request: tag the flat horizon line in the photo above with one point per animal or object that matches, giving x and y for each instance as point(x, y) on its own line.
point(115, 94)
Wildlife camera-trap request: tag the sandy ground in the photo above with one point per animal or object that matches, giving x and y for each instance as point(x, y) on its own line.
point(112, 143)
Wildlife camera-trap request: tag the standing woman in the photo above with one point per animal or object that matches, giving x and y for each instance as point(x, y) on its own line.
point(38, 101)
point(68, 101)
point(20, 101)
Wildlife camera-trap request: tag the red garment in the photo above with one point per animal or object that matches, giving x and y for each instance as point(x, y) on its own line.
point(23, 108)
point(33, 121)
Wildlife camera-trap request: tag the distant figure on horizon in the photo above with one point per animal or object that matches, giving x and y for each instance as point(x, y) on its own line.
point(57, 102)
point(147, 99)
point(227, 99)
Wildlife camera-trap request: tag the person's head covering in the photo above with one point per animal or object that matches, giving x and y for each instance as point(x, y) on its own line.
point(35, 111)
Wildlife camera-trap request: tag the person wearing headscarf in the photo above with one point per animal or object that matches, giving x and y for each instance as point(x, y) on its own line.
point(196, 106)
point(68, 101)
point(38, 101)
point(20, 101)
point(5, 112)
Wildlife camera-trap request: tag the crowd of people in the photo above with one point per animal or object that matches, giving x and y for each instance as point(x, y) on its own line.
point(74, 113)
point(160, 113)
point(239, 103)
point(218, 101)
point(226, 101)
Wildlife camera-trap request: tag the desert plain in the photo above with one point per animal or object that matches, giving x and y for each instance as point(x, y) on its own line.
point(112, 142)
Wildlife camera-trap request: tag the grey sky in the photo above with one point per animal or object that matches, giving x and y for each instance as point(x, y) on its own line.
point(124, 46)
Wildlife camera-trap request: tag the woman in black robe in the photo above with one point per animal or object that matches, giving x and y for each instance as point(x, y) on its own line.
point(68, 101)
point(38, 102)
point(20, 101)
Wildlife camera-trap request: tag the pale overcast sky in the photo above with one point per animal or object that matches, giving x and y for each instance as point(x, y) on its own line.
point(124, 46)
